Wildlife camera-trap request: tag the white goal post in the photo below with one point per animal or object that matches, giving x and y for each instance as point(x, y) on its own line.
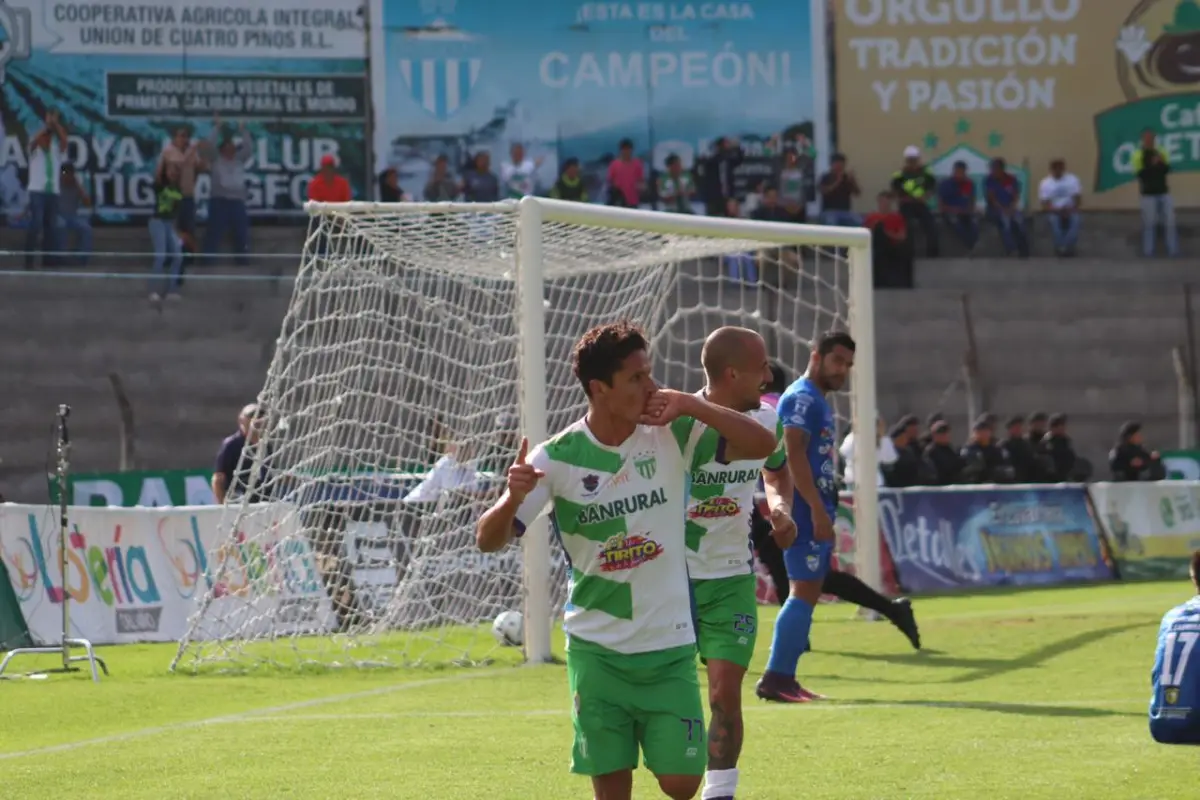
point(416, 332)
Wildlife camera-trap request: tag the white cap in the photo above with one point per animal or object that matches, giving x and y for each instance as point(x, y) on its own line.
point(912, 151)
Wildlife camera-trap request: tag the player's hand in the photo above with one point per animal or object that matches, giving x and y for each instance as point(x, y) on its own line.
point(664, 407)
point(783, 528)
point(522, 477)
point(822, 525)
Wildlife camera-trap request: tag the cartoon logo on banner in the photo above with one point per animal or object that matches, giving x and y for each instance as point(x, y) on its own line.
point(180, 541)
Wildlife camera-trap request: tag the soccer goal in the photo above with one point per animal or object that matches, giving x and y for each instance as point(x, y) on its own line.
point(421, 342)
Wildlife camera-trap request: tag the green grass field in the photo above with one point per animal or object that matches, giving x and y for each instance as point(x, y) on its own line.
point(1032, 694)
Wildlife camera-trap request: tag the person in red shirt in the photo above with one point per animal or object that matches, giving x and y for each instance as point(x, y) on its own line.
point(626, 177)
point(327, 186)
point(891, 245)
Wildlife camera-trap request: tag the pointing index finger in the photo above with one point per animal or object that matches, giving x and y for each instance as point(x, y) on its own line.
point(523, 451)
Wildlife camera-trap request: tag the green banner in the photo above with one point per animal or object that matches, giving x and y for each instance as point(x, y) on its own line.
point(14, 632)
point(180, 487)
point(1182, 465)
point(1174, 117)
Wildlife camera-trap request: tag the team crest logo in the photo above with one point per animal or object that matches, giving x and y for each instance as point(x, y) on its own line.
point(627, 551)
point(591, 483)
point(1171, 695)
point(441, 86)
point(646, 466)
point(715, 508)
point(15, 36)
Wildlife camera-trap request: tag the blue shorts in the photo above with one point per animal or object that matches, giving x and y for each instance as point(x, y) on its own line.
point(808, 559)
point(1175, 731)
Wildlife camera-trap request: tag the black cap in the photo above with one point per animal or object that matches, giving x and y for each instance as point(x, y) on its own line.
point(908, 419)
point(1038, 416)
point(1130, 428)
point(941, 426)
point(1058, 419)
point(1015, 419)
point(898, 429)
point(983, 421)
point(935, 417)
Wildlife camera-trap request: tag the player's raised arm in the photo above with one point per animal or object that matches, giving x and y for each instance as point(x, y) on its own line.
point(744, 434)
point(523, 499)
point(779, 489)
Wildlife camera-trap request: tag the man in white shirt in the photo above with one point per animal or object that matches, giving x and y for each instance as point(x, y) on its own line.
point(518, 176)
point(1060, 193)
point(47, 151)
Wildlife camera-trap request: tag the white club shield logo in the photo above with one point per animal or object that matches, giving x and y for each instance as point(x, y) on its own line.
point(441, 86)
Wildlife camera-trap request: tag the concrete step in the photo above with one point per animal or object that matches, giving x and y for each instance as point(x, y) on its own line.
point(950, 273)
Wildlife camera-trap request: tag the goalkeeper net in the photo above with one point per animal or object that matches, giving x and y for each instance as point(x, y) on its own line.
point(421, 342)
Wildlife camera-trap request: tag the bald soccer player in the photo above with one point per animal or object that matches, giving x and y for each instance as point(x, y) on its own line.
point(719, 559)
point(234, 462)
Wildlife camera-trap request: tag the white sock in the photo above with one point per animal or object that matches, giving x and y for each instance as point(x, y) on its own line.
point(719, 783)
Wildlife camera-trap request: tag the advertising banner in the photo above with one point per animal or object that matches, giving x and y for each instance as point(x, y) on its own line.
point(135, 575)
point(1026, 80)
point(1182, 465)
point(571, 79)
point(125, 75)
point(960, 538)
point(1153, 527)
point(178, 487)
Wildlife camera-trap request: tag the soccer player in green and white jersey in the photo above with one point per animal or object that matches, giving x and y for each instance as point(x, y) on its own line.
point(719, 557)
point(616, 483)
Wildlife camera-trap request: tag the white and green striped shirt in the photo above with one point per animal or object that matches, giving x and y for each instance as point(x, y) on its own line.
point(721, 496)
point(620, 513)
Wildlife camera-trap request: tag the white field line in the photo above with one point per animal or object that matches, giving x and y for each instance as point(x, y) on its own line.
point(242, 716)
point(282, 714)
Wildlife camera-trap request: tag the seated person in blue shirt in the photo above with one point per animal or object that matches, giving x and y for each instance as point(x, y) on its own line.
point(1175, 679)
point(1003, 192)
point(956, 200)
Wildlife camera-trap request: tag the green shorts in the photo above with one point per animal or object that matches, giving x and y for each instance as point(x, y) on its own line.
point(727, 618)
point(621, 703)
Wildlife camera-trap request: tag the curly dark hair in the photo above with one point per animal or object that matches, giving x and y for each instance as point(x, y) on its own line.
point(599, 353)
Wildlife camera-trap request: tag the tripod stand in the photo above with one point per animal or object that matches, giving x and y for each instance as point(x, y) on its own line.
point(68, 660)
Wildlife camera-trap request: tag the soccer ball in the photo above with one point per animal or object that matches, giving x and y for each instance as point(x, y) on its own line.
point(509, 628)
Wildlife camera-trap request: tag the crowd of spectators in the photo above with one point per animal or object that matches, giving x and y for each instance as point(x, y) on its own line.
point(1036, 449)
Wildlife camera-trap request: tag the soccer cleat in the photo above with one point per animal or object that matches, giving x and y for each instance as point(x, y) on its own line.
point(807, 695)
point(778, 689)
point(904, 619)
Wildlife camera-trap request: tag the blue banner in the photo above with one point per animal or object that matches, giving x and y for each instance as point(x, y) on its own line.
point(571, 79)
point(287, 77)
point(995, 536)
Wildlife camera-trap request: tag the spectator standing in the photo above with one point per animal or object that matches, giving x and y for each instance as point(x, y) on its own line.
point(227, 211)
point(1056, 444)
point(940, 453)
point(957, 202)
point(569, 185)
point(626, 177)
point(914, 185)
point(676, 188)
point(1037, 428)
point(1019, 451)
point(168, 253)
point(47, 152)
point(885, 454)
point(72, 199)
point(1151, 164)
point(926, 438)
point(1131, 461)
point(519, 174)
point(838, 189)
point(441, 186)
point(906, 469)
point(235, 459)
point(184, 154)
point(717, 178)
point(791, 180)
point(480, 184)
point(891, 246)
point(327, 186)
point(389, 187)
point(984, 461)
point(1003, 192)
point(1061, 193)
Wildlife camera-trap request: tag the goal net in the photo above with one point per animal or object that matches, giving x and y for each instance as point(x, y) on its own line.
point(421, 342)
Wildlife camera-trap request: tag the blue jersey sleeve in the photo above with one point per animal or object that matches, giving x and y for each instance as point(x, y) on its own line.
point(799, 409)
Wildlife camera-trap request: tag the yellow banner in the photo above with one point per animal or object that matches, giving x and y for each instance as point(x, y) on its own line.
point(1026, 80)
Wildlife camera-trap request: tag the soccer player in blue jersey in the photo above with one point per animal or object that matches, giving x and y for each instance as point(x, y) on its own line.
point(808, 434)
point(1175, 680)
